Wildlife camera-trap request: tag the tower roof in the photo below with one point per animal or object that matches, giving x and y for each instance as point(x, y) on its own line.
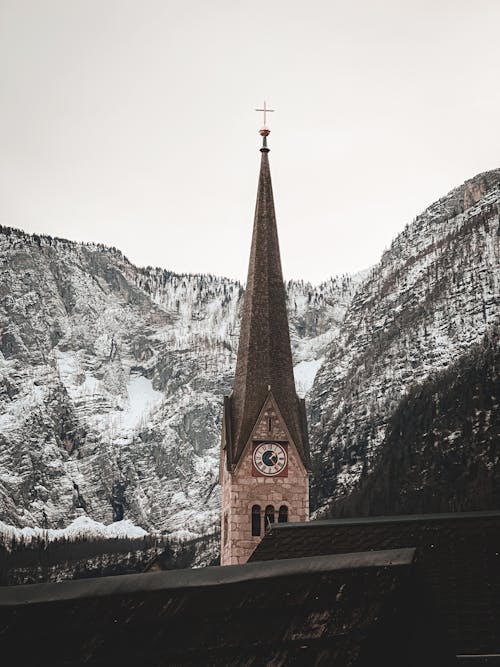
point(264, 355)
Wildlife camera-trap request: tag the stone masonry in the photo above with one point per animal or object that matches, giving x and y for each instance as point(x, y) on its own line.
point(241, 490)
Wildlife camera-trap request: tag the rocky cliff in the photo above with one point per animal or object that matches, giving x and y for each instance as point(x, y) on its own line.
point(111, 382)
point(404, 410)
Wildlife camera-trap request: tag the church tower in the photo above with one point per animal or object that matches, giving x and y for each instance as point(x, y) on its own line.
point(264, 466)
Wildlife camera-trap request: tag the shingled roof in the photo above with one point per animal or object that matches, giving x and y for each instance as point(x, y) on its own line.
point(458, 555)
point(350, 610)
point(264, 353)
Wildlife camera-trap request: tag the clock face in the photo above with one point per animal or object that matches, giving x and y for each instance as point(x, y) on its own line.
point(269, 458)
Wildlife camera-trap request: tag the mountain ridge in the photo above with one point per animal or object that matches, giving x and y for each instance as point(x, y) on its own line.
point(434, 294)
point(111, 376)
point(112, 380)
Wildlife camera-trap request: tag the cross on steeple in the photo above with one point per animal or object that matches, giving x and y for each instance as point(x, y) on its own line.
point(266, 111)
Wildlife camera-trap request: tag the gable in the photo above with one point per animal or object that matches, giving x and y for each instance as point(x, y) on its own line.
point(270, 425)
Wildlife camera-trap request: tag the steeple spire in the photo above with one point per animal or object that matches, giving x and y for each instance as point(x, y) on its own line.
point(264, 436)
point(264, 361)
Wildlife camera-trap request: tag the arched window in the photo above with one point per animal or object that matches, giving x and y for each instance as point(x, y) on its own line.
point(283, 514)
point(269, 516)
point(256, 520)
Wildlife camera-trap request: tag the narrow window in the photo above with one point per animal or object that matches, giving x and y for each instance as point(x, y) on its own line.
point(269, 516)
point(226, 529)
point(283, 514)
point(270, 424)
point(256, 520)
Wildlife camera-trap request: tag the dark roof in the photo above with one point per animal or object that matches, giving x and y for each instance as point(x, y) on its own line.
point(264, 352)
point(352, 609)
point(459, 555)
point(396, 518)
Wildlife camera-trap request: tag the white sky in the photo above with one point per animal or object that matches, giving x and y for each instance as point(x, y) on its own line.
point(133, 123)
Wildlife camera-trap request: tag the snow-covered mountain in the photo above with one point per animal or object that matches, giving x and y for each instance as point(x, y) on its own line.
point(111, 382)
point(421, 328)
point(112, 377)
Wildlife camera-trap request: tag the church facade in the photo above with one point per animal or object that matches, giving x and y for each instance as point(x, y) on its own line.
point(264, 464)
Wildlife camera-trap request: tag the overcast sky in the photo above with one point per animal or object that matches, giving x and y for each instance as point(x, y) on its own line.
point(133, 123)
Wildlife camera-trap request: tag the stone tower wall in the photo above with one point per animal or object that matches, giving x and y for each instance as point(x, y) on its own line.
point(240, 491)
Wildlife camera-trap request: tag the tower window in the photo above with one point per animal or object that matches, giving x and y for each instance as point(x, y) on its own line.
point(269, 516)
point(256, 520)
point(226, 529)
point(283, 514)
point(270, 424)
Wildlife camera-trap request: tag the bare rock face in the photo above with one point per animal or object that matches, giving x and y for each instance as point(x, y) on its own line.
point(432, 300)
point(111, 382)
point(476, 187)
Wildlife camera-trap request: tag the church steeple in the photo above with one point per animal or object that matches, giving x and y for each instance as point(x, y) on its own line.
point(264, 354)
point(264, 460)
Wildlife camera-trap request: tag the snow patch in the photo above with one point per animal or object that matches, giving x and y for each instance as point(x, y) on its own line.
point(141, 399)
point(305, 372)
point(83, 526)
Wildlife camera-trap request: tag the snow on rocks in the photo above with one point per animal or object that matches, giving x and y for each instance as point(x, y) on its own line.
point(112, 380)
point(434, 294)
point(82, 526)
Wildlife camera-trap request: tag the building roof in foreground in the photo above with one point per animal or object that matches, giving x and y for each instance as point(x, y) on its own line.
point(458, 555)
point(350, 609)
